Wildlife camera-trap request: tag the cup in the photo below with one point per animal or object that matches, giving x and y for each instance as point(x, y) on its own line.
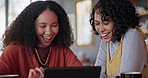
point(131, 75)
point(9, 76)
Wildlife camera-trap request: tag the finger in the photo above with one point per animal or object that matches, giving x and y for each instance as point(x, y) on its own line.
point(32, 73)
point(39, 72)
point(42, 69)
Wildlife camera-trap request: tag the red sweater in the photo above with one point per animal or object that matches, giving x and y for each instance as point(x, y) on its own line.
point(16, 60)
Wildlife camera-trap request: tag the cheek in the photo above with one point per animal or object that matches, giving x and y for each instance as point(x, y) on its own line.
point(39, 31)
point(110, 27)
point(56, 30)
point(97, 28)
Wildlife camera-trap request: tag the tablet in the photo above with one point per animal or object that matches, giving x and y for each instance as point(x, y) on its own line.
point(72, 72)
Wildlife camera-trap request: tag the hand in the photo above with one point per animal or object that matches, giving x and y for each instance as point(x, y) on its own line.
point(36, 73)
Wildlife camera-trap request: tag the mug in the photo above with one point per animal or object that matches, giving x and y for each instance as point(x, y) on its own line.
point(131, 75)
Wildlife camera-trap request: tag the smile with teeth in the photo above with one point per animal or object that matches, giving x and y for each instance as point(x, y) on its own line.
point(47, 38)
point(104, 35)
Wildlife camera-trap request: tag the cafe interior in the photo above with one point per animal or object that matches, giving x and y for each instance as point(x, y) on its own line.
point(86, 44)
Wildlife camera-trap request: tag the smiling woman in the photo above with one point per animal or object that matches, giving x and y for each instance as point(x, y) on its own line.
point(104, 27)
point(46, 26)
point(40, 37)
point(117, 23)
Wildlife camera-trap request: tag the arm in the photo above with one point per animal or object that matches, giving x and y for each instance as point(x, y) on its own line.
point(101, 59)
point(133, 52)
point(8, 60)
point(4, 68)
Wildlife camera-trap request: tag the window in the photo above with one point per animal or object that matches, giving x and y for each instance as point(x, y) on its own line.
point(9, 10)
point(84, 35)
point(3, 19)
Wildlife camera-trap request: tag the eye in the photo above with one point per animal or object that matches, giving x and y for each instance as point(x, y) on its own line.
point(42, 25)
point(96, 23)
point(105, 22)
point(54, 25)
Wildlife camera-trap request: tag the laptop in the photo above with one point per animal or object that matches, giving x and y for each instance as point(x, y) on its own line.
point(73, 72)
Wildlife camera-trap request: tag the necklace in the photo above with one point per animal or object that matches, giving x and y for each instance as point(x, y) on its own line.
point(43, 64)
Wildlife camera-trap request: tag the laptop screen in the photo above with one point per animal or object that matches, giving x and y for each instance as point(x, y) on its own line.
point(73, 72)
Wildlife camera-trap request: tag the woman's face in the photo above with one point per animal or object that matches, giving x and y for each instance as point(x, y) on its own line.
point(47, 27)
point(104, 28)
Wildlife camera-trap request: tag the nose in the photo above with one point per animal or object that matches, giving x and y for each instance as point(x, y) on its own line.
point(101, 28)
point(48, 31)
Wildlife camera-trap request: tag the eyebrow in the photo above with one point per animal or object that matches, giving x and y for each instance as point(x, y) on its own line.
point(55, 23)
point(96, 21)
point(41, 23)
point(46, 23)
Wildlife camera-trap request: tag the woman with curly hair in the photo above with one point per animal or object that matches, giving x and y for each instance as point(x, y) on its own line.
point(122, 48)
point(39, 37)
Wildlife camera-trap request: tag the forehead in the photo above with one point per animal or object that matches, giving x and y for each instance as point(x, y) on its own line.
point(47, 15)
point(98, 12)
point(100, 16)
point(97, 15)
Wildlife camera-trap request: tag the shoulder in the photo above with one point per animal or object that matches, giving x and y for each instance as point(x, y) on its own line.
point(12, 52)
point(13, 49)
point(132, 34)
point(133, 38)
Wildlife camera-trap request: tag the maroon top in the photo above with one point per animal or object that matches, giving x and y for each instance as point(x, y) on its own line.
point(16, 60)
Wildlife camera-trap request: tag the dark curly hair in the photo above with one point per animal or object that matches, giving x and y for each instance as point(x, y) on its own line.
point(22, 30)
point(122, 12)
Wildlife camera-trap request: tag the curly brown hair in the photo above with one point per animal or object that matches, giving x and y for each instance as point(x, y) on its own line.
point(122, 12)
point(22, 29)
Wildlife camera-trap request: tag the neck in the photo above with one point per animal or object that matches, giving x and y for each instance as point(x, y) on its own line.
point(42, 55)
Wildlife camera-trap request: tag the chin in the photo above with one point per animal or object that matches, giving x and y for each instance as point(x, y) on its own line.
point(107, 40)
point(46, 45)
